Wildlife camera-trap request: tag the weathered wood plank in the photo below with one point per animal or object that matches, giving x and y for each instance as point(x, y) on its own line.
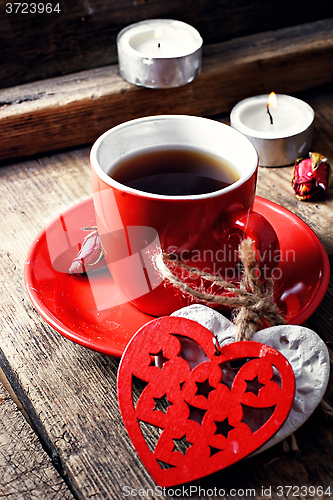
point(26, 469)
point(70, 392)
point(76, 109)
point(83, 34)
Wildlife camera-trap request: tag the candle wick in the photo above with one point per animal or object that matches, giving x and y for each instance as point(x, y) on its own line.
point(159, 45)
point(269, 114)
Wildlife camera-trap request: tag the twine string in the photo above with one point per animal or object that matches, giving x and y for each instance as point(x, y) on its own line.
point(251, 300)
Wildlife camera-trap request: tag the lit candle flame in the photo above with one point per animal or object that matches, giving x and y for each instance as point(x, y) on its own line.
point(158, 33)
point(272, 100)
point(271, 104)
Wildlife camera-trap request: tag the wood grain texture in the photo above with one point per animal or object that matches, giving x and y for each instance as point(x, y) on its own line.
point(26, 470)
point(76, 109)
point(69, 392)
point(83, 35)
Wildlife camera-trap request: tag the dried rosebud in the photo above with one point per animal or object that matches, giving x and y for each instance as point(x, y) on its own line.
point(90, 257)
point(310, 176)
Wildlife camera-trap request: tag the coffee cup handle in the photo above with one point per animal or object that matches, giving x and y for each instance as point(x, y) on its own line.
point(266, 244)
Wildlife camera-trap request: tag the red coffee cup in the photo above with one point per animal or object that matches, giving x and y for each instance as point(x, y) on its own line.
point(202, 230)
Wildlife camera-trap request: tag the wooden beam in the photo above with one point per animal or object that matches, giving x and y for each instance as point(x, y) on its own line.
point(75, 109)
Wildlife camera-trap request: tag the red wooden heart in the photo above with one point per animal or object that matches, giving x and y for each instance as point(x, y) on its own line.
point(208, 417)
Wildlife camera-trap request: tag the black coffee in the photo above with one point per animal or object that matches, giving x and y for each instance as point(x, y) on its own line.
point(175, 172)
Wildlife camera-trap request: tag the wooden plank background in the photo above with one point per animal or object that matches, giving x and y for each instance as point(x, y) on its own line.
point(76, 109)
point(26, 469)
point(83, 35)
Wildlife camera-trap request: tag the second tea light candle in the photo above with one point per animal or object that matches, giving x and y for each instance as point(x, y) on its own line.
point(159, 53)
point(280, 136)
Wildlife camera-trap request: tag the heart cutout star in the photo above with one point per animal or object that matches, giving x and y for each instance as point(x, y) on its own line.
point(188, 423)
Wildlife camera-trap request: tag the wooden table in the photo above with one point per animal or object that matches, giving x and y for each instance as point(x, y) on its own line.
point(68, 392)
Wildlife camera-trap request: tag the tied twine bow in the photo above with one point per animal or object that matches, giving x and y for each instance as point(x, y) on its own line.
point(251, 300)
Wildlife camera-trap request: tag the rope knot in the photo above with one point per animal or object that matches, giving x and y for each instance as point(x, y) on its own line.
point(252, 301)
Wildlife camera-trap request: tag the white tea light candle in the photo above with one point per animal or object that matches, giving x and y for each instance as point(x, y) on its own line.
point(159, 53)
point(280, 135)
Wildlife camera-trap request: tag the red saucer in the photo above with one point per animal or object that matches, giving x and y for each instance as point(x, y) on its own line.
point(68, 303)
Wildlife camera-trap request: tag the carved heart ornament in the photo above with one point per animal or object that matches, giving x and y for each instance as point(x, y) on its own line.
point(187, 423)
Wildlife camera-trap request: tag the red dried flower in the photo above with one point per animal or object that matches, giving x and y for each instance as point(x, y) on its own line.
point(91, 256)
point(310, 176)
